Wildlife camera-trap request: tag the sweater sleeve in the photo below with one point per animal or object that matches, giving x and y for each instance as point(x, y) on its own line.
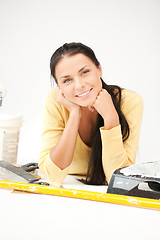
point(116, 153)
point(54, 118)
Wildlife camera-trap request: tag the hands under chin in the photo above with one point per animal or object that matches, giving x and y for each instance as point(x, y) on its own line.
point(105, 107)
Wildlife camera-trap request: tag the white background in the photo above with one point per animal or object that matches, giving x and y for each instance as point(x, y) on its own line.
point(124, 34)
point(125, 37)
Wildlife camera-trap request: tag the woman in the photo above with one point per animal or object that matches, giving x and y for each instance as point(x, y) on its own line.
point(90, 128)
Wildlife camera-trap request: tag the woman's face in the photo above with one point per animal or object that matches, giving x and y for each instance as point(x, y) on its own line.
point(79, 79)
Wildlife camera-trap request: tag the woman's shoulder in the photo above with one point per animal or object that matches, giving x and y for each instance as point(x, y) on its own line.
point(50, 99)
point(53, 107)
point(131, 99)
point(51, 95)
point(50, 102)
point(131, 96)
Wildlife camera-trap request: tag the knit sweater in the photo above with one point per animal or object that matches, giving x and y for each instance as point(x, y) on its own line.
point(115, 153)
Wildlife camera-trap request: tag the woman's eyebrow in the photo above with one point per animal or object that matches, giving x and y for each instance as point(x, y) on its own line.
point(82, 68)
point(78, 71)
point(65, 76)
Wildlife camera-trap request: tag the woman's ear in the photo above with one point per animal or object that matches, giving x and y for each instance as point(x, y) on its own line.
point(100, 70)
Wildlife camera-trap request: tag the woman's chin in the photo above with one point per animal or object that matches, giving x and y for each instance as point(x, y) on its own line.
point(86, 104)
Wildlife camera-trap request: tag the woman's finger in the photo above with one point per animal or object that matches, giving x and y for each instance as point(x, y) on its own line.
point(91, 108)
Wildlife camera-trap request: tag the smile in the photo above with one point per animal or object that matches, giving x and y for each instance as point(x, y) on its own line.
point(84, 94)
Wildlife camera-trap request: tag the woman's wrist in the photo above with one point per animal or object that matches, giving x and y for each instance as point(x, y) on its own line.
point(76, 113)
point(111, 123)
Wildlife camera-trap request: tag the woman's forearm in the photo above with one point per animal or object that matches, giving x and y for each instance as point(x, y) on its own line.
point(62, 153)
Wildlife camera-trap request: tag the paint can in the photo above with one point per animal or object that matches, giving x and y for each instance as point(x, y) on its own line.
point(10, 125)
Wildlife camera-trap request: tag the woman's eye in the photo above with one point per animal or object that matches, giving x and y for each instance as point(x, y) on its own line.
point(67, 80)
point(84, 72)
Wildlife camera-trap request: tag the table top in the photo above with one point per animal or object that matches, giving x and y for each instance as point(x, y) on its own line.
point(38, 216)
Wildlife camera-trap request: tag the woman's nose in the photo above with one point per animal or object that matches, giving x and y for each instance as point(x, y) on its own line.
point(79, 83)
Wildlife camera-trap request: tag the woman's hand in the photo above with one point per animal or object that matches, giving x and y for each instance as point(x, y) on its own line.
point(105, 107)
point(60, 98)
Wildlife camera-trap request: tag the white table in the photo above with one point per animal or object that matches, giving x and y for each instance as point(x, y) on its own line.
point(38, 216)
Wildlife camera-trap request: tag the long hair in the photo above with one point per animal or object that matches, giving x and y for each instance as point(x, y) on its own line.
point(95, 174)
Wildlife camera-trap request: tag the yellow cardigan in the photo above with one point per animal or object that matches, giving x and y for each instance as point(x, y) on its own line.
point(115, 153)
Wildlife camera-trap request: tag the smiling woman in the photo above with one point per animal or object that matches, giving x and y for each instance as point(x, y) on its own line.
point(90, 128)
point(79, 79)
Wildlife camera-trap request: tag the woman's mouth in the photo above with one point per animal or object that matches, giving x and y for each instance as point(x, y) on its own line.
point(85, 94)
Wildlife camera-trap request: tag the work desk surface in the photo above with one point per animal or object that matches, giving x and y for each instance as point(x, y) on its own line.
point(38, 216)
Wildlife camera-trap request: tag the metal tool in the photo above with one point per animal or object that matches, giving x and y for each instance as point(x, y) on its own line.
point(14, 173)
point(140, 180)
